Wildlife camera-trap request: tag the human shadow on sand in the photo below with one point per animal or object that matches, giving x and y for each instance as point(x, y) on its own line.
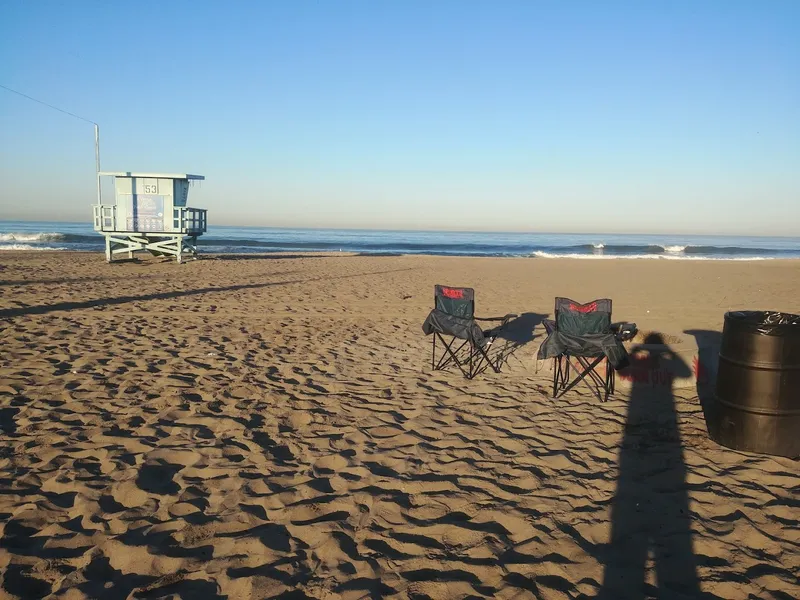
point(650, 516)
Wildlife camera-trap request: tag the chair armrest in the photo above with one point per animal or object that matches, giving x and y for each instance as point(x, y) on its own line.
point(549, 325)
point(624, 331)
point(504, 319)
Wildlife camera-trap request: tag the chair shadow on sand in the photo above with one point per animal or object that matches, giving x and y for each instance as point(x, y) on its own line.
point(518, 332)
point(650, 515)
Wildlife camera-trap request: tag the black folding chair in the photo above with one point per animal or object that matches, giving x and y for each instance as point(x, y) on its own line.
point(453, 317)
point(582, 338)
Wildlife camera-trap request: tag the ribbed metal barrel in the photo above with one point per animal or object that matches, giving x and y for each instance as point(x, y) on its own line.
point(757, 406)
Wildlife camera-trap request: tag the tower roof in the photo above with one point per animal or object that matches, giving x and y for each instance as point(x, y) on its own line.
point(152, 175)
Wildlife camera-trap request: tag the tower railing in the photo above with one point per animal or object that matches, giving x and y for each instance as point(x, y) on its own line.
point(105, 217)
point(185, 220)
point(189, 220)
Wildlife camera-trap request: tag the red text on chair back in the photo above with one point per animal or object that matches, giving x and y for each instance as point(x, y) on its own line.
point(581, 319)
point(459, 302)
point(453, 293)
point(584, 308)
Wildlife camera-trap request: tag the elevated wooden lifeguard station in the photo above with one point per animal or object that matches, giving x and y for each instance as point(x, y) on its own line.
point(150, 213)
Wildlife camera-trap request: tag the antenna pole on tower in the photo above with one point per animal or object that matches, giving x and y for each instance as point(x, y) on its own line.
point(97, 160)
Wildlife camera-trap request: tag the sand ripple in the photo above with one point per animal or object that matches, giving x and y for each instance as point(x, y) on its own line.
point(287, 437)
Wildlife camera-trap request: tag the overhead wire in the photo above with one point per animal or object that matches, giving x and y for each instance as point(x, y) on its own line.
point(66, 112)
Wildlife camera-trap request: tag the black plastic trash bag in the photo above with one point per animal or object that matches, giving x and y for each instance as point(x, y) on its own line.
point(766, 322)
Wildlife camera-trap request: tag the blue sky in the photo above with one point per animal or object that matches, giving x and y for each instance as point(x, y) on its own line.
point(538, 116)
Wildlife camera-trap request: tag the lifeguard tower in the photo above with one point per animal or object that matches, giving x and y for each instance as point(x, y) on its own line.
point(150, 213)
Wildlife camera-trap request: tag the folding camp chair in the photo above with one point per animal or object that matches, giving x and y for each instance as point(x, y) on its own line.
point(453, 316)
point(582, 338)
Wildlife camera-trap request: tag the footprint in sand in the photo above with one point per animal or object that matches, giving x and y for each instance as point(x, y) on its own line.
point(298, 420)
point(157, 478)
point(126, 495)
point(331, 464)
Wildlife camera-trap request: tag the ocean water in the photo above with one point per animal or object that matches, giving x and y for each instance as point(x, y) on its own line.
point(27, 235)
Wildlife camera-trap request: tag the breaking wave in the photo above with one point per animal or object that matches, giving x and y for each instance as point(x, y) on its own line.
point(662, 256)
point(27, 247)
point(30, 237)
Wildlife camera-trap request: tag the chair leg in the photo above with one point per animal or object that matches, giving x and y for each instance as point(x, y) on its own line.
point(613, 381)
point(604, 385)
point(600, 382)
point(476, 361)
point(498, 362)
point(451, 355)
point(610, 379)
point(448, 355)
point(556, 373)
point(483, 362)
point(588, 370)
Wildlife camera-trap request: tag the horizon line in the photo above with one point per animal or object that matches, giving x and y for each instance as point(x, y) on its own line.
point(406, 230)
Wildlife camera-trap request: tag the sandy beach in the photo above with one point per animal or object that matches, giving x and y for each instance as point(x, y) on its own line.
point(257, 426)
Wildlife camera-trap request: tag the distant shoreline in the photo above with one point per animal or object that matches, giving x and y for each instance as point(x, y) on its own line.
point(233, 240)
point(328, 253)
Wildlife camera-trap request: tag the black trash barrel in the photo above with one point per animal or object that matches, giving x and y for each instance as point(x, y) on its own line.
point(757, 406)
